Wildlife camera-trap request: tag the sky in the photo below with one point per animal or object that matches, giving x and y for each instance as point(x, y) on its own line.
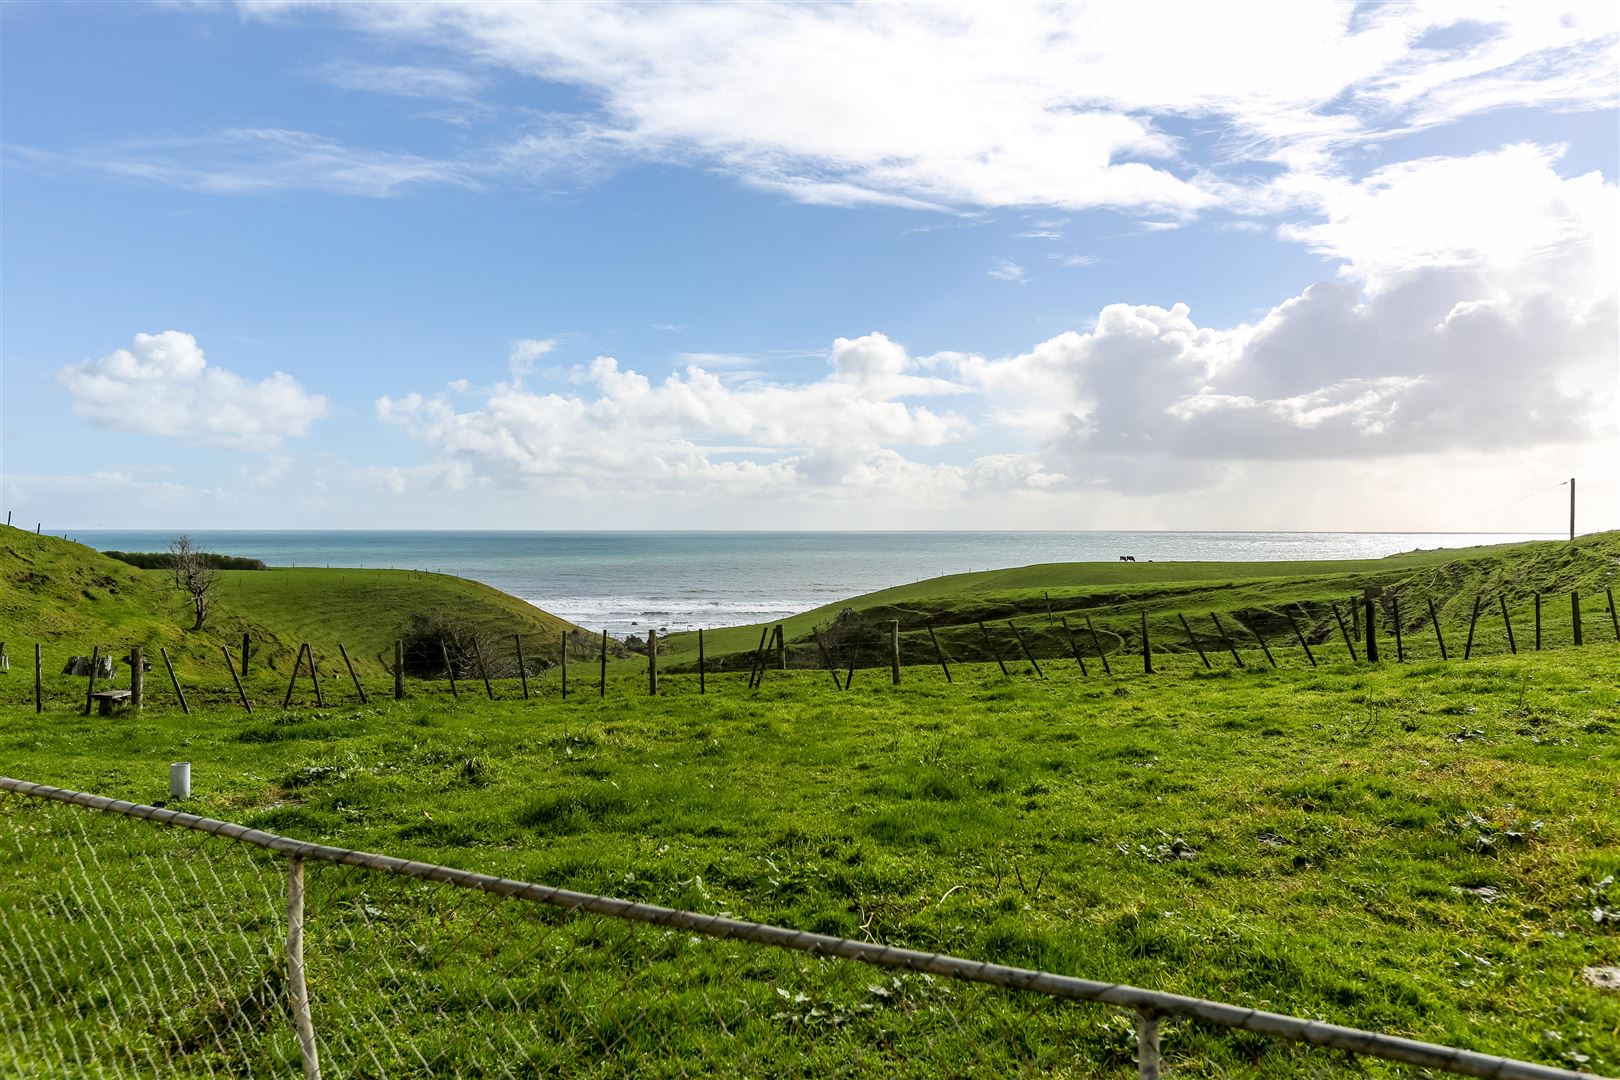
point(1302, 265)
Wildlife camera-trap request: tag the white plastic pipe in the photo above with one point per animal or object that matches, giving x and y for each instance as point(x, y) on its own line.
point(180, 780)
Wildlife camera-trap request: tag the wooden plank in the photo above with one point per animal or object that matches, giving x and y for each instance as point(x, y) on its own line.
point(358, 689)
point(1300, 635)
point(1221, 630)
point(175, 679)
point(1019, 634)
point(1192, 639)
point(1097, 641)
point(1434, 621)
point(241, 694)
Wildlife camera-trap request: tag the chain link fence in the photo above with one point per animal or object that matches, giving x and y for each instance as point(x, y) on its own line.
point(130, 949)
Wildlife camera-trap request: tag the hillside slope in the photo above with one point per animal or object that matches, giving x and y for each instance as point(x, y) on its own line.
point(1254, 597)
point(70, 598)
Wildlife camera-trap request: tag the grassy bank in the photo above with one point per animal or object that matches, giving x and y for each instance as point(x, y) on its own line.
point(70, 598)
point(1416, 848)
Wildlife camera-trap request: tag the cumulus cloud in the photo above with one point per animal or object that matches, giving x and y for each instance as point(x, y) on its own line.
point(163, 385)
point(1007, 270)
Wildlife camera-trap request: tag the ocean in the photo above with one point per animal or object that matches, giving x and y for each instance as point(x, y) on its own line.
point(625, 582)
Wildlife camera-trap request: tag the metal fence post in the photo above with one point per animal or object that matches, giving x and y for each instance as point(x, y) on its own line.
point(1147, 1044)
point(302, 1023)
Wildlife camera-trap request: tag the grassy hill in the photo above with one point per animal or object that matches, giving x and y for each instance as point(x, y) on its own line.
point(1260, 596)
point(70, 598)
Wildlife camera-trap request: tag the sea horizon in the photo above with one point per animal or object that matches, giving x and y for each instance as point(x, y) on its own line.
point(625, 581)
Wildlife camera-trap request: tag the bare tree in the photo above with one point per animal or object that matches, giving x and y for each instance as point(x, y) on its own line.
point(194, 575)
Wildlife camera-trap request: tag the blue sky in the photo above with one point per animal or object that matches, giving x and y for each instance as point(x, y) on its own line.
point(1304, 267)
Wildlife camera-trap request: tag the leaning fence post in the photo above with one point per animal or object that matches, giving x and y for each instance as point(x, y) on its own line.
point(352, 676)
point(939, 654)
point(1232, 648)
point(1147, 1044)
point(1434, 620)
point(315, 676)
point(1022, 644)
point(1349, 643)
point(1263, 646)
point(235, 678)
point(1074, 647)
point(179, 693)
point(449, 669)
point(298, 662)
point(1193, 640)
point(1513, 646)
point(303, 1024)
point(483, 671)
point(1301, 636)
point(993, 651)
point(826, 658)
point(523, 673)
point(1614, 619)
point(1468, 649)
point(399, 670)
point(1097, 641)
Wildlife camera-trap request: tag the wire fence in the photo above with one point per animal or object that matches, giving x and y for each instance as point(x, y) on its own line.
point(206, 949)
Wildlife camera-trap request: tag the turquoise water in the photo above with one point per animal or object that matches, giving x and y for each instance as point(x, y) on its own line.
point(627, 581)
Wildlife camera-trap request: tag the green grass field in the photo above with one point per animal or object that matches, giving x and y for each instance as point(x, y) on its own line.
point(1427, 849)
point(1417, 849)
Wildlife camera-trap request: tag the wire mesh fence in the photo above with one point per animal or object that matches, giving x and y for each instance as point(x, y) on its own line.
point(128, 949)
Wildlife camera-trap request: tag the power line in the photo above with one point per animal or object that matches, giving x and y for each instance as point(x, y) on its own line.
point(1502, 506)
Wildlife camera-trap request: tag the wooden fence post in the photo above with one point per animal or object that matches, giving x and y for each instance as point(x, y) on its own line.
point(652, 662)
point(483, 671)
point(1097, 641)
point(358, 689)
point(1349, 642)
point(1019, 634)
point(1219, 629)
point(1074, 648)
point(315, 676)
point(601, 666)
point(756, 670)
point(854, 654)
point(175, 679)
point(894, 649)
point(1300, 634)
point(292, 683)
point(781, 646)
point(826, 658)
point(1147, 647)
point(449, 668)
point(1263, 647)
point(563, 663)
point(39, 689)
point(1372, 630)
point(237, 679)
point(702, 689)
point(1192, 639)
point(1575, 614)
point(1614, 619)
point(1468, 649)
point(523, 672)
point(1049, 619)
point(399, 669)
point(939, 654)
point(137, 679)
point(993, 650)
point(1400, 645)
point(1434, 621)
point(90, 692)
point(1513, 646)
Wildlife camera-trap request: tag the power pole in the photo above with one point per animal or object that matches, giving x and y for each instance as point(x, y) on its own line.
point(1572, 508)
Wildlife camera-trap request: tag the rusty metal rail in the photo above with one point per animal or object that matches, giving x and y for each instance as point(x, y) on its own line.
point(1150, 1006)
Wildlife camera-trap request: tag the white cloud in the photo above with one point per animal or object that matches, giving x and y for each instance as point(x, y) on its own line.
point(259, 161)
point(405, 80)
point(1072, 261)
point(163, 385)
point(526, 353)
point(1011, 104)
point(1007, 270)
